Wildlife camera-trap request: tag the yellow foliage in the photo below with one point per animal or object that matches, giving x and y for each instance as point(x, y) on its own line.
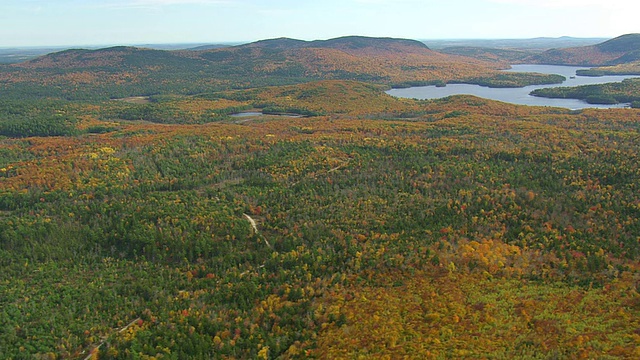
point(263, 353)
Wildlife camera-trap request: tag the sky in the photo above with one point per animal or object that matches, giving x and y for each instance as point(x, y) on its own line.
point(26, 23)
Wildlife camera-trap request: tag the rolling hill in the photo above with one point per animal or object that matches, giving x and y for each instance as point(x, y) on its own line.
point(535, 44)
point(488, 54)
point(620, 50)
point(112, 59)
point(118, 72)
point(350, 44)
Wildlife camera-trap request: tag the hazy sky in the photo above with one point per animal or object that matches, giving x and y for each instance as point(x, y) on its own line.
point(102, 22)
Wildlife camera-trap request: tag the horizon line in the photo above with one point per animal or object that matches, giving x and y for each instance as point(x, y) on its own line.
point(231, 42)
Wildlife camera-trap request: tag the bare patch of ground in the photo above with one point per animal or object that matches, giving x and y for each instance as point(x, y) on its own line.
point(135, 100)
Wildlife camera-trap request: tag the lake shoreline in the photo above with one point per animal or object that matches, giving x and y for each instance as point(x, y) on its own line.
point(519, 96)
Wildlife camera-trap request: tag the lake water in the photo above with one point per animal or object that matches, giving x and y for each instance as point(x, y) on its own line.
point(518, 95)
point(247, 114)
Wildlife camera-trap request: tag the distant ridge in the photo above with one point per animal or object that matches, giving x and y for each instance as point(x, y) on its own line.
point(208, 47)
point(537, 44)
point(340, 43)
point(623, 43)
point(78, 58)
point(359, 42)
point(110, 58)
point(620, 50)
point(282, 43)
point(262, 52)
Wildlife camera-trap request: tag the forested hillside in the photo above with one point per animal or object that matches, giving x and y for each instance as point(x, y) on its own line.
point(384, 227)
point(489, 54)
point(120, 72)
point(620, 50)
point(627, 91)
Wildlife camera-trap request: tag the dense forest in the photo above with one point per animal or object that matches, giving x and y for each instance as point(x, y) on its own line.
point(627, 91)
point(159, 226)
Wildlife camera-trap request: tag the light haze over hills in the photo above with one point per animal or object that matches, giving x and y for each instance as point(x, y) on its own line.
point(125, 22)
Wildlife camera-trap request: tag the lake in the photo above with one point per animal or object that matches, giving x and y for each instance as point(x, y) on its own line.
point(518, 95)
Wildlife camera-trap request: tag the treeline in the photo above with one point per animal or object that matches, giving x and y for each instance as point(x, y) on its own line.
point(513, 80)
point(39, 126)
point(500, 80)
point(627, 91)
point(169, 113)
point(36, 118)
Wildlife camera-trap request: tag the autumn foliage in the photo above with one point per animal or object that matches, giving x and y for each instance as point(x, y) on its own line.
point(387, 228)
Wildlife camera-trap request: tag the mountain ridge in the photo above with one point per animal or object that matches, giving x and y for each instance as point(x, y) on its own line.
point(343, 42)
point(616, 51)
point(280, 61)
point(349, 44)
